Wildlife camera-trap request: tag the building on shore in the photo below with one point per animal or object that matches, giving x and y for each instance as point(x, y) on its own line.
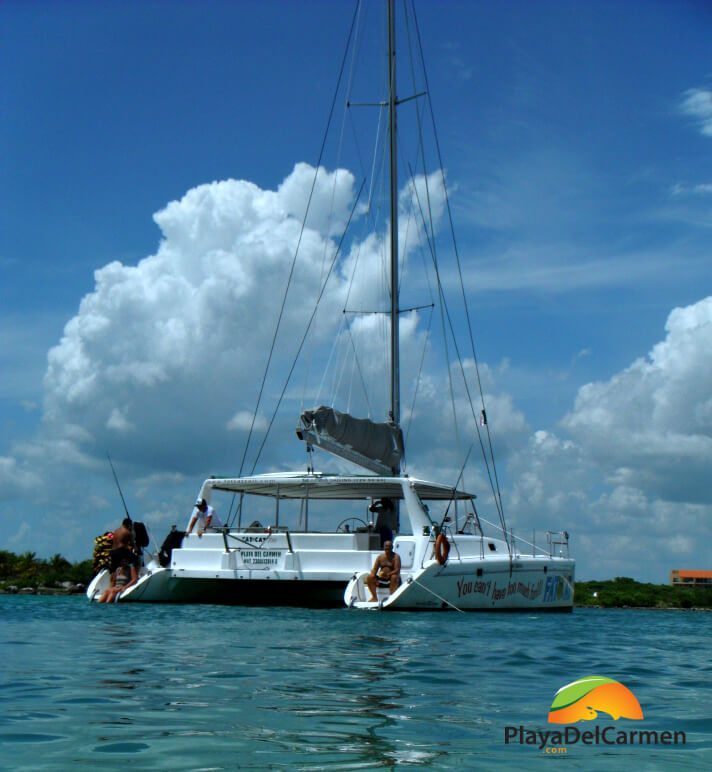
point(680, 577)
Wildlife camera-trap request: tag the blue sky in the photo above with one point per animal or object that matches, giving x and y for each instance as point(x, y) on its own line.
point(577, 139)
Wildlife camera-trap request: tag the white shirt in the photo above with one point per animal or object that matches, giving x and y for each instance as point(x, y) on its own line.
point(201, 518)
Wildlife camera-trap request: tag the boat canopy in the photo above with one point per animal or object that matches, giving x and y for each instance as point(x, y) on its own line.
point(374, 446)
point(317, 486)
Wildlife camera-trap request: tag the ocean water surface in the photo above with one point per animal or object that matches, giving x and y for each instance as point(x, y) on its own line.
point(211, 688)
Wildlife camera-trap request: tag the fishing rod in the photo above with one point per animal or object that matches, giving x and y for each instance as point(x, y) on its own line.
point(116, 479)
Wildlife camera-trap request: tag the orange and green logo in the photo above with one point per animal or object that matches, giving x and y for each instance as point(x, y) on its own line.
point(584, 698)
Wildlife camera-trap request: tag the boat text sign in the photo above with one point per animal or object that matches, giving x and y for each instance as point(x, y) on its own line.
point(259, 557)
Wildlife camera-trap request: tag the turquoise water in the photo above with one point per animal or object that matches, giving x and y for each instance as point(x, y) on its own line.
point(211, 688)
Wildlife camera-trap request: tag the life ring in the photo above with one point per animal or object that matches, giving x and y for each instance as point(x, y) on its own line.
point(442, 549)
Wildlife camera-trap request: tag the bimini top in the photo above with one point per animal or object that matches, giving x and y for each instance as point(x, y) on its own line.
point(300, 485)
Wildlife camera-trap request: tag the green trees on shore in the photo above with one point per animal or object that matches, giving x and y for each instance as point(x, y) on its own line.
point(27, 570)
point(625, 592)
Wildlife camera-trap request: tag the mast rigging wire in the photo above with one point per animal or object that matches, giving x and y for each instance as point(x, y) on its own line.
point(496, 489)
point(296, 251)
point(308, 328)
point(492, 474)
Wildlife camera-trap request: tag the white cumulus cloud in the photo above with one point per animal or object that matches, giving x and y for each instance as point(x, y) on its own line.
point(174, 346)
point(651, 424)
point(630, 481)
point(16, 479)
point(162, 363)
point(697, 103)
point(243, 420)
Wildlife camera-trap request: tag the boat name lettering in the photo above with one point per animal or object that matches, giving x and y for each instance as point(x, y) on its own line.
point(261, 557)
point(557, 588)
point(526, 590)
point(470, 588)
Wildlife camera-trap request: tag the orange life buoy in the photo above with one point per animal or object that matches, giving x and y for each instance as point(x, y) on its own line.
point(442, 548)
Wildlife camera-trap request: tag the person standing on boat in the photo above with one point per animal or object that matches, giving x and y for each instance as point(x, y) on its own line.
point(205, 517)
point(385, 572)
point(386, 519)
point(123, 535)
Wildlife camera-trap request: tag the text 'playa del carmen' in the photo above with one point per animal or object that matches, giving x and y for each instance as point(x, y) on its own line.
point(607, 735)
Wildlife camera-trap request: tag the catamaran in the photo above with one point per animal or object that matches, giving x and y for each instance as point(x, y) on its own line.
point(310, 538)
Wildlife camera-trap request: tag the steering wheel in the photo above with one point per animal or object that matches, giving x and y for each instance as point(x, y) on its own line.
point(350, 524)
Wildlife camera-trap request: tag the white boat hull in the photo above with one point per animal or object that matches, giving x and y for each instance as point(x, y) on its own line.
point(164, 586)
point(272, 566)
point(477, 584)
point(98, 584)
point(541, 584)
point(309, 570)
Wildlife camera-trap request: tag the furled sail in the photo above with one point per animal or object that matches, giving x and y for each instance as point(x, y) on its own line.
point(375, 446)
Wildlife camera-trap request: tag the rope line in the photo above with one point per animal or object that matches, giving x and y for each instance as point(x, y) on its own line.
point(497, 490)
point(439, 597)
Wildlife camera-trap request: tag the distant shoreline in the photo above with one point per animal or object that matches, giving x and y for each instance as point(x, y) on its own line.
point(643, 608)
point(49, 592)
point(75, 589)
point(27, 574)
point(624, 592)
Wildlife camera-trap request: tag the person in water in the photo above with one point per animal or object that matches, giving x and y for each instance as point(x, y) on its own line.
point(385, 571)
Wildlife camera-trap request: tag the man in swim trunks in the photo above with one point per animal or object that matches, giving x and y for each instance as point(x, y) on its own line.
point(385, 572)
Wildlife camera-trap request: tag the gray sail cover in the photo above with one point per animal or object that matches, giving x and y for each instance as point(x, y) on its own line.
point(378, 447)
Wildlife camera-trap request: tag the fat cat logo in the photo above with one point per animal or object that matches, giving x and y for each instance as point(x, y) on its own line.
point(587, 699)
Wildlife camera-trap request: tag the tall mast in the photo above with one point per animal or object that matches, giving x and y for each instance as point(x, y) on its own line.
point(395, 355)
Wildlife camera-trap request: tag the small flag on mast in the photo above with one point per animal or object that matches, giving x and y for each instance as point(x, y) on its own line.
point(483, 418)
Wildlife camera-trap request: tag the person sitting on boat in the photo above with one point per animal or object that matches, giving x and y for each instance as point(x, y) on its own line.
point(386, 519)
point(385, 572)
point(205, 517)
point(125, 573)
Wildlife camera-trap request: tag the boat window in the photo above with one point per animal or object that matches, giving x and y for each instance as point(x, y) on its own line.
point(441, 513)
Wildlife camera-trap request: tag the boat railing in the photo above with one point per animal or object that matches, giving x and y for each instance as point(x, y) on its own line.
point(245, 544)
point(557, 542)
point(557, 545)
point(476, 521)
point(236, 541)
